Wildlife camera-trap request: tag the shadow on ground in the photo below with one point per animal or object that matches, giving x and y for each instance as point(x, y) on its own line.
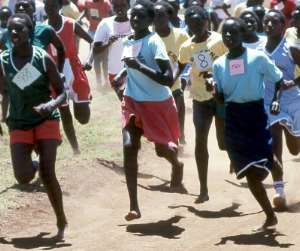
point(39, 241)
point(265, 238)
point(228, 212)
point(163, 228)
point(245, 185)
point(35, 186)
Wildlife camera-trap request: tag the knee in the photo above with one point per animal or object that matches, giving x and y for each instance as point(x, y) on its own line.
point(294, 151)
point(159, 151)
point(24, 178)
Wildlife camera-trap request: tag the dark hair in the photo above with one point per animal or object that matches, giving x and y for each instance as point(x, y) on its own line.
point(196, 10)
point(246, 12)
point(166, 5)
point(279, 13)
point(148, 5)
point(5, 8)
point(28, 22)
point(241, 24)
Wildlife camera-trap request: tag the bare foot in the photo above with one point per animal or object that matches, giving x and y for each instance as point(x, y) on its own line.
point(61, 232)
point(202, 198)
point(132, 215)
point(269, 223)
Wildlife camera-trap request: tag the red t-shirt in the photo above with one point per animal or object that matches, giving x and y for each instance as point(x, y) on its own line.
point(97, 11)
point(286, 6)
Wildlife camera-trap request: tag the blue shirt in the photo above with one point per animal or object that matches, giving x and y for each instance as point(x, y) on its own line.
point(138, 85)
point(245, 85)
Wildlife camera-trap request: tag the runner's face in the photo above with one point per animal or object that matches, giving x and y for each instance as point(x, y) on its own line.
point(197, 25)
point(251, 23)
point(161, 18)
point(273, 26)
point(139, 18)
point(120, 8)
point(51, 7)
point(18, 31)
point(231, 34)
point(24, 6)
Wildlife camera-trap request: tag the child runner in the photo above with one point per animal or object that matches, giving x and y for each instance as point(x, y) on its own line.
point(201, 50)
point(33, 121)
point(109, 36)
point(285, 57)
point(148, 107)
point(67, 29)
point(173, 38)
point(239, 77)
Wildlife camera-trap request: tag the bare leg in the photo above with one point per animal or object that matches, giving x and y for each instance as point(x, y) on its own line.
point(180, 104)
point(292, 142)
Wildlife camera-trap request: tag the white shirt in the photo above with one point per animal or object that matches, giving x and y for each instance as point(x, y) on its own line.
point(107, 28)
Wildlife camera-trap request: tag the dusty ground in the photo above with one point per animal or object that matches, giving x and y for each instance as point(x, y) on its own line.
point(96, 199)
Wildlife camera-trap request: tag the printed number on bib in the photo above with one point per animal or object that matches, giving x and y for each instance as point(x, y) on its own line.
point(236, 67)
point(132, 50)
point(203, 61)
point(26, 76)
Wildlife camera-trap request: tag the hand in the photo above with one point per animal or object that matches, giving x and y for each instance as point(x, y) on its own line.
point(209, 82)
point(86, 66)
point(44, 109)
point(275, 107)
point(112, 39)
point(287, 84)
point(132, 63)
point(117, 82)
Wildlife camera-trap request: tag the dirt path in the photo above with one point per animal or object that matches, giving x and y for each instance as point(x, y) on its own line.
point(96, 200)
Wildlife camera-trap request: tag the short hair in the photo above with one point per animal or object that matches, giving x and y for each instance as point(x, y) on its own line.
point(148, 5)
point(241, 24)
point(28, 22)
point(246, 12)
point(166, 5)
point(196, 10)
point(5, 8)
point(279, 13)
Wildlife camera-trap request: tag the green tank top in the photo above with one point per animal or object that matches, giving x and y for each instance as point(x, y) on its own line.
point(26, 88)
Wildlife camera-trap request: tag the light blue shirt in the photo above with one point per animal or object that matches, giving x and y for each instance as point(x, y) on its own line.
point(138, 85)
point(249, 85)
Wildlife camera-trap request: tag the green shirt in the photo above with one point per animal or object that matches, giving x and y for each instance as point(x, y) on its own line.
point(26, 88)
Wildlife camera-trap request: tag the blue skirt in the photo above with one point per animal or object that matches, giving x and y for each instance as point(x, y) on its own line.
point(247, 138)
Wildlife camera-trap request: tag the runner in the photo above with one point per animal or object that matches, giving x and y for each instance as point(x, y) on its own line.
point(201, 50)
point(239, 77)
point(148, 107)
point(173, 39)
point(285, 57)
point(109, 36)
point(78, 86)
point(33, 121)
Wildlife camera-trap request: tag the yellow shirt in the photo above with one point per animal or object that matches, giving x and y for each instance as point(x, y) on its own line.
point(237, 11)
point(292, 39)
point(202, 56)
point(173, 43)
point(71, 11)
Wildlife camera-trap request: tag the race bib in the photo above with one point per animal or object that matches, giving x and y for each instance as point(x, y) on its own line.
point(279, 6)
point(67, 70)
point(26, 76)
point(203, 60)
point(94, 13)
point(132, 50)
point(236, 67)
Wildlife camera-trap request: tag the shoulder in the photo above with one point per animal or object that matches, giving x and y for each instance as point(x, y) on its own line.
point(220, 62)
point(187, 44)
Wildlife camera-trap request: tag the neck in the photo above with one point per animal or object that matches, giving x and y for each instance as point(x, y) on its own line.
point(141, 34)
point(198, 38)
point(24, 50)
point(163, 32)
point(251, 38)
point(121, 19)
point(236, 52)
point(55, 21)
point(273, 42)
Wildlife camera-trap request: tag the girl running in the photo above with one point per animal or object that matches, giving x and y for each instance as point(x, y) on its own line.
point(33, 121)
point(148, 107)
point(201, 50)
point(239, 78)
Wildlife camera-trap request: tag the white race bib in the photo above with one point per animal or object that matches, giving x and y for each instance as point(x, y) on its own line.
point(132, 50)
point(203, 60)
point(67, 70)
point(236, 67)
point(26, 76)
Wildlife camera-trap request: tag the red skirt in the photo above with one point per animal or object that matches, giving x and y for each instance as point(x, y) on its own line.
point(158, 120)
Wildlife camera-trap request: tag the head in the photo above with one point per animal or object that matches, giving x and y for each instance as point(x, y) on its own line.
point(260, 11)
point(274, 23)
point(296, 18)
point(52, 7)
point(25, 6)
point(251, 21)
point(232, 32)
point(197, 20)
point(120, 7)
point(163, 11)
point(142, 15)
point(5, 14)
point(176, 6)
point(20, 29)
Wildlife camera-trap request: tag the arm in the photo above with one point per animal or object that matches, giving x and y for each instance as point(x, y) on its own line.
point(57, 43)
point(80, 32)
point(275, 105)
point(57, 83)
point(164, 76)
